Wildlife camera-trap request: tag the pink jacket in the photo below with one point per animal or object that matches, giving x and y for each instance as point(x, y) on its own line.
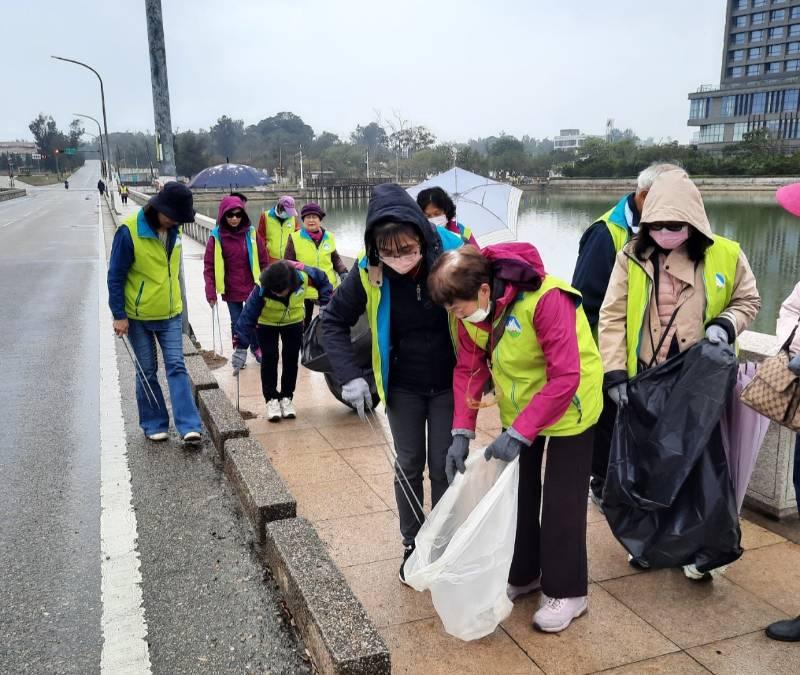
point(788, 318)
point(517, 263)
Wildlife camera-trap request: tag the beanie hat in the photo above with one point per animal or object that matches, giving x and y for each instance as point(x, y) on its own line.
point(175, 202)
point(312, 208)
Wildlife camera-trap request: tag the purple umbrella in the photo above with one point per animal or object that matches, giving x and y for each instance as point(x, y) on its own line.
point(228, 176)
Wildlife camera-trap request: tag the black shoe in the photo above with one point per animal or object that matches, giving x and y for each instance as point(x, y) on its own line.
point(785, 631)
point(406, 554)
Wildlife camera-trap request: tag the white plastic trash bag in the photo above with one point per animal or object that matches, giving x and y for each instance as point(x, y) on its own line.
point(464, 549)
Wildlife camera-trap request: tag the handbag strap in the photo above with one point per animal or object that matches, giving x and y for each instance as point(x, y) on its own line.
point(790, 339)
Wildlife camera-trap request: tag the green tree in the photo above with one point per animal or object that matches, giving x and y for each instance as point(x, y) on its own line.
point(373, 135)
point(226, 135)
point(191, 152)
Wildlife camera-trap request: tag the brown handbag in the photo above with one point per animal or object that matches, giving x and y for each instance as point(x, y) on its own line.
point(775, 390)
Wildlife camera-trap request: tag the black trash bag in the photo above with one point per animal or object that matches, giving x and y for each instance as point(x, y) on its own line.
point(336, 388)
point(668, 494)
point(314, 356)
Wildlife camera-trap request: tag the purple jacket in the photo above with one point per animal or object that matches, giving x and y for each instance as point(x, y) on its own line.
point(238, 275)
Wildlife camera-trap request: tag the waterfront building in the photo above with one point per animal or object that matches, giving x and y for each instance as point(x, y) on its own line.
point(759, 79)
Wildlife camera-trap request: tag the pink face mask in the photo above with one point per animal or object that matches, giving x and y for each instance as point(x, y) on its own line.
point(404, 263)
point(670, 240)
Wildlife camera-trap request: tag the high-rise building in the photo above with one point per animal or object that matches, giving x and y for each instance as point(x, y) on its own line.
point(759, 80)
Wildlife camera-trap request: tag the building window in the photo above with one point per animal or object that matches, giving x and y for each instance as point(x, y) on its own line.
point(793, 66)
point(758, 18)
point(793, 48)
point(775, 50)
point(759, 103)
point(773, 68)
point(741, 4)
point(794, 30)
point(777, 33)
point(795, 12)
point(736, 55)
point(739, 130)
point(790, 100)
point(698, 108)
point(740, 21)
point(739, 38)
point(728, 106)
point(711, 133)
point(754, 70)
point(756, 35)
point(736, 71)
point(755, 53)
point(777, 15)
point(774, 101)
point(773, 126)
point(759, 3)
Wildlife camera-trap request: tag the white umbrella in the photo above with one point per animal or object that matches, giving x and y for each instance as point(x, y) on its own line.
point(489, 208)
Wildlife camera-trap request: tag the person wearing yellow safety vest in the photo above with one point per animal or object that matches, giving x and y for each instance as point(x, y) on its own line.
point(315, 245)
point(276, 226)
point(673, 285)
point(412, 351)
point(233, 260)
point(597, 251)
point(274, 312)
point(145, 300)
point(123, 192)
point(523, 333)
point(440, 211)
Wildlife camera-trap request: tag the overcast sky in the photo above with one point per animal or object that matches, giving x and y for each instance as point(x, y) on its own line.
point(464, 68)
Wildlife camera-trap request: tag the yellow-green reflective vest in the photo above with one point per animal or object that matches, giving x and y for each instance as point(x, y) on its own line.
point(275, 313)
point(152, 289)
point(617, 224)
point(278, 234)
point(307, 252)
point(519, 368)
point(378, 312)
point(719, 275)
point(219, 261)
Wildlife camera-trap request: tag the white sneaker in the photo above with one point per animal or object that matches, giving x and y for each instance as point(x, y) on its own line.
point(514, 592)
point(192, 438)
point(556, 614)
point(287, 409)
point(158, 437)
point(691, 572)
point(274, 410)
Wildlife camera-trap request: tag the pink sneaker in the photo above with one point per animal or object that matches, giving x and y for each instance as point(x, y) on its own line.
point(257, 354)
point(556, 614)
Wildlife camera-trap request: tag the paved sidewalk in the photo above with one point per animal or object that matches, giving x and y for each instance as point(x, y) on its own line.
point(652, 622)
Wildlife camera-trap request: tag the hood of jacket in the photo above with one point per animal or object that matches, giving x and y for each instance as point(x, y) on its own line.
point(675, 198)
point(516, 266)
point(228, 203)
point(391, 203)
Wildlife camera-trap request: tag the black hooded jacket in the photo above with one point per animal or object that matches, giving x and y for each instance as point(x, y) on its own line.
point(421, 353)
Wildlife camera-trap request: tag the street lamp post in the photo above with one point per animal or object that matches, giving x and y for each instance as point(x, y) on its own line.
point(102, 101)
point(100, 136)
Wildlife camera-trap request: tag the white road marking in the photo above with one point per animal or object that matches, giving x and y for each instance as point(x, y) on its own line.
point(125, 648)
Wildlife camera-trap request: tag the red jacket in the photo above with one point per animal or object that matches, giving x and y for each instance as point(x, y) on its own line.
point(554, 321)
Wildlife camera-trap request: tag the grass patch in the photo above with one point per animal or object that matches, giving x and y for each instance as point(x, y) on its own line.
point(39, 179)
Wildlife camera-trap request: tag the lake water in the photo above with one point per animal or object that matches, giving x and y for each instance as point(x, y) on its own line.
point(554, 222)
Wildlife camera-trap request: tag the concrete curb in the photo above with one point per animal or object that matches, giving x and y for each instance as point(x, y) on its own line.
point(11, 193)
point(333, 623)
point(188, 346)
point(222, 420)
point(261, 490)
point(200, 375)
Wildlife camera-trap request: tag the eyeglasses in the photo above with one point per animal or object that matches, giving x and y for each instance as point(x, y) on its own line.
point(670, 227)
point(234, 214)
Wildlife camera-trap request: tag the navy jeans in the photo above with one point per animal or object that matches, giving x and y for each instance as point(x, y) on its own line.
point(155, 418)
point(235, 310)
point(797, 471)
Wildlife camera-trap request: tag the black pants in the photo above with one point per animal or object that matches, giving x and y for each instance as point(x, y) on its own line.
point(556, 548)
point(410, 414)
point(309, 304)
point(291, 337)
point(603, 432)
point(124, 199)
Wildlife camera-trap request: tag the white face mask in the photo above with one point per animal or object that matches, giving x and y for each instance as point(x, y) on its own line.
point(439, 221)
point(479, 314)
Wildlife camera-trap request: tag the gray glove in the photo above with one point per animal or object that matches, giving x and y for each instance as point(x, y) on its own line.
point(794, 364)
point(619, 394)
point(357, 394)
point(456, 454)
point(505, 447)
point(717, 335)
point(238, 360)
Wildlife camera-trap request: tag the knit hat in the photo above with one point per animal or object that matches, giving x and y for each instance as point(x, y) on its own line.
point(175, 202)
point(312, 208)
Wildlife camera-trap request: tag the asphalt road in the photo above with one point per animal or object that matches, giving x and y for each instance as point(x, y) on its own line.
point(207, 605)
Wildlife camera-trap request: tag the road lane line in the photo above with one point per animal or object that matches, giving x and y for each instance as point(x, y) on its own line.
point(125, 648)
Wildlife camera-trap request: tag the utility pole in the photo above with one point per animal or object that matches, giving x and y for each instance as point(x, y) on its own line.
point(367, 164)
point(302, 180)
point(158, 78)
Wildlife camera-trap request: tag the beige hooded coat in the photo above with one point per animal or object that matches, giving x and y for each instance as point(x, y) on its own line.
point(673, 198)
